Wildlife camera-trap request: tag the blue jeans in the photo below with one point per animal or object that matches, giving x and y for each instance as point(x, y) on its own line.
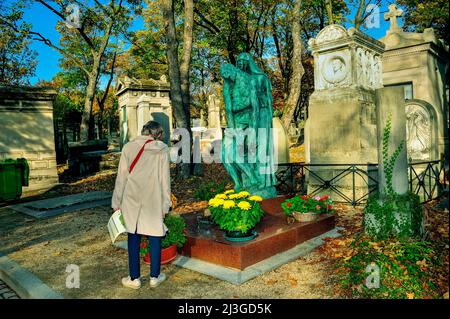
point(134, 261)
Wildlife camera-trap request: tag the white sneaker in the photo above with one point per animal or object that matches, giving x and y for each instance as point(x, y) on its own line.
point(156, 281)
point(133, 284)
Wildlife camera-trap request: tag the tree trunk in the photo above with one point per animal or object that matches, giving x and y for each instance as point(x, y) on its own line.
point(180, 113)
point(87, 129)
point(186, 56)
point(297, 69)
point(329, 8)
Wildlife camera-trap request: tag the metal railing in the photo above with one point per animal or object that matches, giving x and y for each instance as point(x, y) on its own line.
point(427, 179)
point(354, 183)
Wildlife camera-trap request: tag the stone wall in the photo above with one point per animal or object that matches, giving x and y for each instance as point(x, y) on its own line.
point(26, 130)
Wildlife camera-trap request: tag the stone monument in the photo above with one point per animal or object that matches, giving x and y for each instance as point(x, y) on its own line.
point(214, 112)
point(26, 122)
point(342, 124)
point(141, 101)
point(417, 63)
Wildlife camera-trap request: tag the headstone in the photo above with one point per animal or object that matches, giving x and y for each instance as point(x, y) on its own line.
point(280, 141)
point(26, 130)
point(390, 103)
point(214, 122)
point(342, 125)
point(46, 208)
point(213, 111)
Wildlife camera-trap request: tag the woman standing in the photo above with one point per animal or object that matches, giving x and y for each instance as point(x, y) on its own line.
point(142, 192)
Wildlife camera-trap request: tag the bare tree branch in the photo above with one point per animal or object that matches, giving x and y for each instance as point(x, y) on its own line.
point(59, 14)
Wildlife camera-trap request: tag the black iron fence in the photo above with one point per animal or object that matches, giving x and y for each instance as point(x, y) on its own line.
point(354, 183)
point(428, 179)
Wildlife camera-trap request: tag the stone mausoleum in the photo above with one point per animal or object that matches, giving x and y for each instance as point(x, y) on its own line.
point(417, 62)
point(358, 82)
point(141, 101)
point(26, 131)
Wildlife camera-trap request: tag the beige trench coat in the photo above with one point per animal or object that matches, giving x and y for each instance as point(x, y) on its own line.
point(144, 195)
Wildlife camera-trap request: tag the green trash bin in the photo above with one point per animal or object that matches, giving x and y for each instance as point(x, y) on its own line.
point(25, 170)
point(13, 175)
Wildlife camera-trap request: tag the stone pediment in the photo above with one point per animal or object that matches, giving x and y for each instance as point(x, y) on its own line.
point(125, 83)
point(331, 33)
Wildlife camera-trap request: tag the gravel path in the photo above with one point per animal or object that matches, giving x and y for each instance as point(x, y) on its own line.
point(47, 247)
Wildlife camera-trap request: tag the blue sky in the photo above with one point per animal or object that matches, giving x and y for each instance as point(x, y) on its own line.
point(44, 22)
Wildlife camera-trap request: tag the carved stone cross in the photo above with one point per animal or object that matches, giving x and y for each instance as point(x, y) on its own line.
point(392, 15)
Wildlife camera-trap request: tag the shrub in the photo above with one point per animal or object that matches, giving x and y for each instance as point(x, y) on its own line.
point(394, 216)
point(407, 269)
point(209, 190)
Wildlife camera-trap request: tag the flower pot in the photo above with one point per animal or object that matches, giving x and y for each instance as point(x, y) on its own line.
point(238, 236)
point(167, 255)
point(305, 217)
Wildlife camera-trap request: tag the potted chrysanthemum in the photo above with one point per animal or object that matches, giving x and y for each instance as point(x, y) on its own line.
point(237, 214)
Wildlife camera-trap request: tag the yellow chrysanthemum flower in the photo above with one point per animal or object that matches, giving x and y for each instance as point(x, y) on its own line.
point(215, 202)
point(221, 196)
point(244, 205)
point(228, 204)
point(243, 194)
point(229, 191)
point(255, 198)
point(233, 196)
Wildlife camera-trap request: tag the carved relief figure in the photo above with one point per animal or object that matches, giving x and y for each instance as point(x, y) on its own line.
point(368, 68)
point(418, 132)
point(334, 70)
point(360, 57)
point(377, 72)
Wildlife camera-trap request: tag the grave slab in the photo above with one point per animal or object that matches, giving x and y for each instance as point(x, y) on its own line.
point(275, 236)
point(237, 276)
point(56, 206)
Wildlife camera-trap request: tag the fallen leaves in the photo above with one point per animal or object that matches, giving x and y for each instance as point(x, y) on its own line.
point(271, 282)
point(410, 295)
point(292, 281)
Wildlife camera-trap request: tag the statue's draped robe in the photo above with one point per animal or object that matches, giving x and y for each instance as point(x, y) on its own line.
point(248, 104)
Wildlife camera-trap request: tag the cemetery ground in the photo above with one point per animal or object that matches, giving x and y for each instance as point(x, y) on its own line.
point(337, 269)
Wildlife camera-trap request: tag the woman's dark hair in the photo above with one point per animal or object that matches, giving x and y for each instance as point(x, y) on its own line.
point(152, 128)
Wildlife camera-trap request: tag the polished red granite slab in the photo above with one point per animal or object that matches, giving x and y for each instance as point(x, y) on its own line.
point(275, 235)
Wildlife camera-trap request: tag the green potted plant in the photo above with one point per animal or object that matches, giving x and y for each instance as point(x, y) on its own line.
point(175, 238)
point(237, 214)
point(307, 209)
